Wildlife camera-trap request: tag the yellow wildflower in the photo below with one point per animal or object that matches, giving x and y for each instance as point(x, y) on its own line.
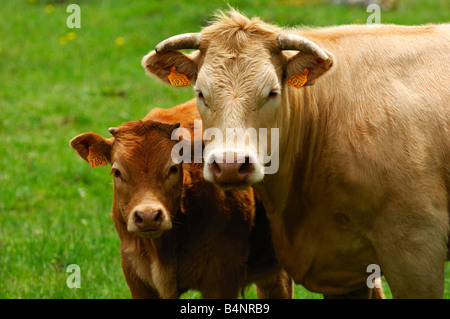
point(63, 40)
point(120, 41)
point(71, 36)
point(49, 8)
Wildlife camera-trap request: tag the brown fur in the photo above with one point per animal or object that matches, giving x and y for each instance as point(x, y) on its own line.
point(364, 174)
point(219, 241)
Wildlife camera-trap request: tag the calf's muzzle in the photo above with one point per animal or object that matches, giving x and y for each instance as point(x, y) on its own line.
point(146, 221)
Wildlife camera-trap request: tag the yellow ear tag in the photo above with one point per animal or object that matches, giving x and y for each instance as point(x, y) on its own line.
point(299, 79)
point(95, 158)
point(177, 79)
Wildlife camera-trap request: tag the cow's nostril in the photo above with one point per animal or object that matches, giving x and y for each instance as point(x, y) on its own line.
point(246, 168)
point(214, 168)
point(138, 219)
point(158, 216)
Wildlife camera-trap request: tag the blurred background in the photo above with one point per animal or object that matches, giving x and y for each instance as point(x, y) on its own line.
point(57, 82)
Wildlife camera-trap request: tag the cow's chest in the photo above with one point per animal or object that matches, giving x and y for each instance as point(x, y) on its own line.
point(322, 248)
point(156, 273)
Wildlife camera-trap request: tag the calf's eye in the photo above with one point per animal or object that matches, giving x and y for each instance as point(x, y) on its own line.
point(173, 170)
point(116, 173)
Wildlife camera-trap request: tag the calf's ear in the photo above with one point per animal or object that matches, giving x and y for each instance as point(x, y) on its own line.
point(89, 145)
point(316, 66)
point(163, 64)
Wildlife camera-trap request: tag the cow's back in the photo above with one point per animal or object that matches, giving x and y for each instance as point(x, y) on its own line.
point(387, 104)
point(185, 113)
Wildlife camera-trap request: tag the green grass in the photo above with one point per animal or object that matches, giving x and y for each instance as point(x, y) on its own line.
point(54, 209)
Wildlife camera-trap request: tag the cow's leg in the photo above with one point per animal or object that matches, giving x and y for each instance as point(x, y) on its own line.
point(277, 286)
point(225, 286)
point(361, 293)
point(378, 293)
point(413, 274)
point(412, 253)
point(226, 291)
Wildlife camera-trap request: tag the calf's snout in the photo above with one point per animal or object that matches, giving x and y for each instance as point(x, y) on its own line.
point(148, 220)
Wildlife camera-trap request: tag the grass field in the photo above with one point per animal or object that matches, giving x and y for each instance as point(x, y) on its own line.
point(57, 82)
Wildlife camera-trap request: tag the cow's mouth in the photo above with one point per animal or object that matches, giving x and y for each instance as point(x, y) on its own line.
point(155, 232)
point(151, 233)
point(230, 186)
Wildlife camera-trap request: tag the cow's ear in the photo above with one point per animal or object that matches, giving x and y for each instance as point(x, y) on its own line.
point(161, 65)
point(93, 145)
point(297, 65)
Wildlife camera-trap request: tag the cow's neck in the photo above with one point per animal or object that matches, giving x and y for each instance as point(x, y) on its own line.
point(286, 195)
point(301, 142)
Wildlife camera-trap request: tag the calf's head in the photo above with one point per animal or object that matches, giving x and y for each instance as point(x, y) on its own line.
point(240, 73)
point(147, 183)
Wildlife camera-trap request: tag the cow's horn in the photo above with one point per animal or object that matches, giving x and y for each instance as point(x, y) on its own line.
point(178, 42)
point(113, 130)
point(298, 43)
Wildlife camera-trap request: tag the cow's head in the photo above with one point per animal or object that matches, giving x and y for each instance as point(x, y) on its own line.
point(240, 73)
point(147, 183)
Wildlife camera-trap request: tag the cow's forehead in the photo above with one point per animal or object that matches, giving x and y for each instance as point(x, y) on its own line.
point(148, 152)
point(236, 32)
point(244, 75)
point(253, 49)
point(237, 48)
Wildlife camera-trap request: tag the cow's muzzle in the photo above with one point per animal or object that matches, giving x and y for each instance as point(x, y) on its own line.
point(233, 170)
point(148, 222)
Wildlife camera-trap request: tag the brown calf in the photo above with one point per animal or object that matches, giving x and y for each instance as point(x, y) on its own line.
point(177, 231)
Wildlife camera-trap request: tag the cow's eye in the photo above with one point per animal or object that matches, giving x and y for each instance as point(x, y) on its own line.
point(272, 94)
point(173, 170)
point(116, 173)
point(201, 97)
